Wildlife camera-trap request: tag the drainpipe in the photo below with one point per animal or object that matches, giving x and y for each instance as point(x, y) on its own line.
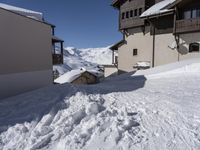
point(62, 52)
point(153, 55)
point(176, 36)
point(113, 55)
point(154, 39)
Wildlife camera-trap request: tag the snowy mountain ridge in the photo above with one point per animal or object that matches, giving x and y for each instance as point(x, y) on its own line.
point(89, 58)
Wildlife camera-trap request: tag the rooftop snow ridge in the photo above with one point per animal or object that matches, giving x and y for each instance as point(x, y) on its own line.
point(158, 8)
point(22, 11)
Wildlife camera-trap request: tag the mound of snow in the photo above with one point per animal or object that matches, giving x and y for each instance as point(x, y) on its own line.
point(128, 112)
point(173, 69)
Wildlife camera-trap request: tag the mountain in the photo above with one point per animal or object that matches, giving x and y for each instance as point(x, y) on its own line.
point(89, 58)
point(152, 109)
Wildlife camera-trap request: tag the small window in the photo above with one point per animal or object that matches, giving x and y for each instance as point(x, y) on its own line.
point(187, 14)
point(135, 14)
point(194, 47)
point(140, 11)
point(131, 13)
point(123, 15)
point(135, 52)
point(127, 14)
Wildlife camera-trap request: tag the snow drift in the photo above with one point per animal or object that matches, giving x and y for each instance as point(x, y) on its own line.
point(126, 112)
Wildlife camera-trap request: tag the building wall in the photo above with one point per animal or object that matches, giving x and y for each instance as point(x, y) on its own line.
point(164, 53)
point(136, 40)
point(26, 58)
point(86, 78)
point(110, 70)
point(185, 40)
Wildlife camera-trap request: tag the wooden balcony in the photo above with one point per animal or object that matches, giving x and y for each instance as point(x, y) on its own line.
point(188, 25)
point(57, 59)
point(132, 22)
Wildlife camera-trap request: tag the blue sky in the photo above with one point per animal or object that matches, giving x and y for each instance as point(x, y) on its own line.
point(81, 23)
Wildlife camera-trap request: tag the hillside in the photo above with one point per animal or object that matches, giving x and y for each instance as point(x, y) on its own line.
point(89, 58)
point(149, 110)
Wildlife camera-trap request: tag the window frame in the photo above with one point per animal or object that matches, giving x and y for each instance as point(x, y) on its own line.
point(135, 52)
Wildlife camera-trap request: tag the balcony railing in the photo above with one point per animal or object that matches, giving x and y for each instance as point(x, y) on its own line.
point(57, 59)
point(187, 25)
point(128, 23)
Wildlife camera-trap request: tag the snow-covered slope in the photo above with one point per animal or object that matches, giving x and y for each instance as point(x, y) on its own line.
point(89, 58)
point(129, 112)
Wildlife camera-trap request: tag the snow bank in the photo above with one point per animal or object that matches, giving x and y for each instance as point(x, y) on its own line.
point(158, 8)
point(173, 69)
point(126, 113)
point(22, 11)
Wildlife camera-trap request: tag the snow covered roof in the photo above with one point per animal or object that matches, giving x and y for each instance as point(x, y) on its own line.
point(22, 11)
point(158, 8)
point(73, 75)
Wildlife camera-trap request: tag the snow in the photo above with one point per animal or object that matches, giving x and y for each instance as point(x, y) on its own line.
point(158, 8)
point(70, 76)
point(152, 109)
point(142, 64)
point(22, 11)
point(74, 74)
point(89, 58)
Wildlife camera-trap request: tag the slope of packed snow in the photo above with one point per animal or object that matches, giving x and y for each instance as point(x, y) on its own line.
point(89, 58)
point(158, 8)
point(129, 112)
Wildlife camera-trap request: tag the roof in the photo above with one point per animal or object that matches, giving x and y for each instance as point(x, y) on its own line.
point(158, 8)
point(26, 12)
point(116, 46)
point(56, 39)
point(37, 16)
point(115, 3)
point(72, 75)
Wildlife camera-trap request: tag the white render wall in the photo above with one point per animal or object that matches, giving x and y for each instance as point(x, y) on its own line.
point(110, 70)
point(25, 54)
point(185, 40)
point(136, 40)
point(17, 83)
point(165, 52)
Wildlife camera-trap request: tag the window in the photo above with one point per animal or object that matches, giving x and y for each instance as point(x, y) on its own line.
point(194, 13)
point(187, 14)
point(131, 13)
point(135, 52)
point(135, 14)
point(123, 15)
point(194, 47)
point(140, 11)
point(127, 14)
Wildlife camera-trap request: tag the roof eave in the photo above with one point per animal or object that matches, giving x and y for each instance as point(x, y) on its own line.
point(115, 46)
point(158, 14)
point(44, 22)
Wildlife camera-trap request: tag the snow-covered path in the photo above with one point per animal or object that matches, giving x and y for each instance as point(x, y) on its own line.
point(126, 112)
